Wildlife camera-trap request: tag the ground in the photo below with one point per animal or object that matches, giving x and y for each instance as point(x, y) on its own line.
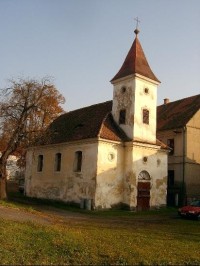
point(48, 233)
point(43, 215)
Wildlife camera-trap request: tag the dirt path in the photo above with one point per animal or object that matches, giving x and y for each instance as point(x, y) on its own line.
point(47, 215)
point(41, 215)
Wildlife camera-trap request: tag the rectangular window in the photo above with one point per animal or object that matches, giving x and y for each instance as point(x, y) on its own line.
point(170, 143)
point(58, 162)
point(122, 117)
point(40, 163)
point(170, 180)
point(145, 116)
point(78, 161)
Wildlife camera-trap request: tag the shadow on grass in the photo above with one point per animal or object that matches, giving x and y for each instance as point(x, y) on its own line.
point(19, 200)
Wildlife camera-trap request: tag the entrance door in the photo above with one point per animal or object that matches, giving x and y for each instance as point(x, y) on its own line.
point(143, 196)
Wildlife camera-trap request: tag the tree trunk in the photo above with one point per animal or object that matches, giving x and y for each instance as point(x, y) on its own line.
point(3, 178)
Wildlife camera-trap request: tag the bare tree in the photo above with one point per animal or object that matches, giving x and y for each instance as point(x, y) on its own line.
point(27, 108)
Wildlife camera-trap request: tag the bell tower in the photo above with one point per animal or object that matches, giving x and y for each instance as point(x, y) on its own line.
point(135, 96)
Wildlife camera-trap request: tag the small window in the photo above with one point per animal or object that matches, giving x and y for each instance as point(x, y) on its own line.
point(78, 161)
point(58, 162)
point(145, 159)
point(170, 143)
point(146, 116)
point(40, 163)
point(123, 89)
point(146, 90)
point(122, 117)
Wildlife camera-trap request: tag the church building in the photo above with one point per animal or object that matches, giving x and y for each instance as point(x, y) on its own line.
point(106, 155)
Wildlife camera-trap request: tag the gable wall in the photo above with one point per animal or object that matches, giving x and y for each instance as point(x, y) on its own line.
point(65, 185)
point(155, 165)
point(109, 187)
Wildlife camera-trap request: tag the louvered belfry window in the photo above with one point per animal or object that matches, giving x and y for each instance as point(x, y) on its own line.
point(146, 116)
point(122, 117)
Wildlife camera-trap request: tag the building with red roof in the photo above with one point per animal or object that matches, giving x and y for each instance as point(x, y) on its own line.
point(178, 125)
point(106, 155)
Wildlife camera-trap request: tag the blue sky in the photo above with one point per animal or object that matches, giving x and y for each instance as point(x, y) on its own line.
point(83, 43)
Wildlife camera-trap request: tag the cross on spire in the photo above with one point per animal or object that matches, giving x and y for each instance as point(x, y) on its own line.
point(137, 22)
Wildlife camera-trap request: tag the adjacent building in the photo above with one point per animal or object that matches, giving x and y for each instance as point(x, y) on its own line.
point(178, 125)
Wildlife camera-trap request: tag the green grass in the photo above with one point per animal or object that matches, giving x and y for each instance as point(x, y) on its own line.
point(120, 238)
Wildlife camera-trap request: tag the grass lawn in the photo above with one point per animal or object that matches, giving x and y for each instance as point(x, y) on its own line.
point(154, 238)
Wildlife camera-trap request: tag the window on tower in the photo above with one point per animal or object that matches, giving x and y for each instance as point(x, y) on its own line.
point(146, 116)
point(122, 117)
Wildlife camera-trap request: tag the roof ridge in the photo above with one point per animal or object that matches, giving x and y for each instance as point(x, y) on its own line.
point(88, 106)
point(179, 100)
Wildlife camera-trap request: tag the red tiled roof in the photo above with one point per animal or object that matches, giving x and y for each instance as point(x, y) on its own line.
point(177, 114)
point(97, 121)
point(135, 62)
point(88, 122)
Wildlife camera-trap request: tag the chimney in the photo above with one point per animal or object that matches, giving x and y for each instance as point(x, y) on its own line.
point(166, 100)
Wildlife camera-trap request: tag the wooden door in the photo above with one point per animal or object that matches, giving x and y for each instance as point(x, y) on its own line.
point(143, 196)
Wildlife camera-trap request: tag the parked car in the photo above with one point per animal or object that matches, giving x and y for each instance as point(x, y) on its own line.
point(191, 211)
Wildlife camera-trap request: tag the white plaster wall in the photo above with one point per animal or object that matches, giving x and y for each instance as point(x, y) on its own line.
point(134, 100)
point(109, 184)
point(144, 132)
point(65, 185)
point(156, 166)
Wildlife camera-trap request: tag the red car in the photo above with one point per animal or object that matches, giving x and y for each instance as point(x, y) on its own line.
point(191, 211)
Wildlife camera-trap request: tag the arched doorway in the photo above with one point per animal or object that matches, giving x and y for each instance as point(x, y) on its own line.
point(143, 191)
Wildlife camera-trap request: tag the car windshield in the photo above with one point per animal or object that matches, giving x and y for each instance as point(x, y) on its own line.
point(195, 203)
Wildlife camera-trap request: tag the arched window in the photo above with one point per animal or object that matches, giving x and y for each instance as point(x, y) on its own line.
point(58, 157)
point(144, 175)
point(145, 116)
point(40, 163)
point(78, 161)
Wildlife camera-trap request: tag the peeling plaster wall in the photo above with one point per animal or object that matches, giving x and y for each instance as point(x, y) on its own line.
point(124, 100)
point(110, 185)
point(66, 184)
point(134, 100)
point(117, 178)
point(155, 164)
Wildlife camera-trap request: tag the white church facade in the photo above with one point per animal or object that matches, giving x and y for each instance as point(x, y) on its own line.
point(106, 154)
